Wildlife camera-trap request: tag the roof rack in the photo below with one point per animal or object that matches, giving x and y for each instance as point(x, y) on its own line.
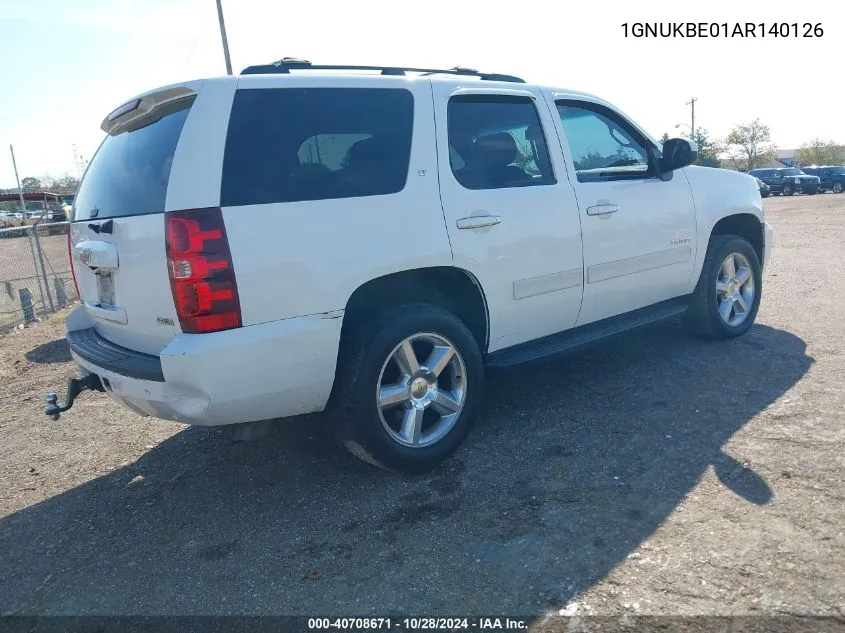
point(285, 65)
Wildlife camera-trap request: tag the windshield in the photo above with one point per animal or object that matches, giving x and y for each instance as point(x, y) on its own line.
point(792, 172)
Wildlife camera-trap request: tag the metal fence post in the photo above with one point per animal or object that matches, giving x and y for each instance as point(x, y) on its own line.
point(26, 306)
point(35, 268)
point(43, 268)
point(61, 294)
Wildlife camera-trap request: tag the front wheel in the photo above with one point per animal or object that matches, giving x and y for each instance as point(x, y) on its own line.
point(411, 385)
point(837, 187)
point(727, 297)
point(787, 190)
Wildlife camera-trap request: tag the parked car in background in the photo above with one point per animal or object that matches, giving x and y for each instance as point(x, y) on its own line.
point(7, 219)
point(225, 254)
point(831, 177)
point(787, 181)
point(765, 190)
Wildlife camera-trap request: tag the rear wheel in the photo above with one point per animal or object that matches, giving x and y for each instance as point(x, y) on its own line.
point(727, 297)
point(837, 187)
point(411, 384)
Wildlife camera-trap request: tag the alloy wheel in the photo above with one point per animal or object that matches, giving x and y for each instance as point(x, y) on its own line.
point(421, 390)
point(735, 289)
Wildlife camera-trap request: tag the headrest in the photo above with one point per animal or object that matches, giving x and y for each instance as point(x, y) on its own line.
point(497, 149)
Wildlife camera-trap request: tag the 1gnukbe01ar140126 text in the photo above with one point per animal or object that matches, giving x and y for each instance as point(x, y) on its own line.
point(722, 29)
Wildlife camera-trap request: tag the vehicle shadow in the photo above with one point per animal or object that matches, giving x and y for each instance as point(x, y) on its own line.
point(573, 464)
point(53, 352)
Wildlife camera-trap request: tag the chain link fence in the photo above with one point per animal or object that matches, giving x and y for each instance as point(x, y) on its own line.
point(35, 274)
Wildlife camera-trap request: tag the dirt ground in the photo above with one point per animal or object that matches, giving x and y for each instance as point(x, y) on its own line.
point(655, 474)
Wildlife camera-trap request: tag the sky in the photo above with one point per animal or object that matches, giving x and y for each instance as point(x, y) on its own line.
point(64, 64)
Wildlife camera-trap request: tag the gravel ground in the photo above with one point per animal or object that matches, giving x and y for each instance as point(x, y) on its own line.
point(656, 474)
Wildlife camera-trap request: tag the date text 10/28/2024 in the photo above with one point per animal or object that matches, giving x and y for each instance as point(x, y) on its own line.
point(722, 29)
point(417, 624)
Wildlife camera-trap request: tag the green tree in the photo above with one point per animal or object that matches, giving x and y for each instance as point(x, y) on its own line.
point(818, 152)
point(708, 150)
point(30, 184)
point(750, 145)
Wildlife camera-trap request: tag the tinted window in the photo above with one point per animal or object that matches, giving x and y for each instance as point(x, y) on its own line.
point(836, 170)
point(129, 173)
point(602, 147)
point(292, 144)
point(791, 172)
point(497, 142)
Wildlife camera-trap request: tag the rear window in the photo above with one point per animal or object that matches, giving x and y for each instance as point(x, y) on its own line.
point(129, 173)
point(295, 144)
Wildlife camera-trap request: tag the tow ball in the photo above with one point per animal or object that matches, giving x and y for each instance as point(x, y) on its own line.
point(75, 386)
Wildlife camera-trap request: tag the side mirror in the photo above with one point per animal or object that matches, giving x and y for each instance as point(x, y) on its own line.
point(677, 153)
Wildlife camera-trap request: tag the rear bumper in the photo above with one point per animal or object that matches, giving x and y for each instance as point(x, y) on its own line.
point(259, 372)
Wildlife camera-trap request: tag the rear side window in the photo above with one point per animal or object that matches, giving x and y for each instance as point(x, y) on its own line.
point(295, 144)
point(129, 173)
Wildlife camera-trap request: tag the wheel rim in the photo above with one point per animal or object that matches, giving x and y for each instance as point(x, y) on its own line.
point(787, 190)
point(419, 401)
point(837, 187)
point(735, 289)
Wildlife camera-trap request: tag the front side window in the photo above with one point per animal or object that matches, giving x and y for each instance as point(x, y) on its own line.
point(497, 142)
point(295, 144)
point(602, 146)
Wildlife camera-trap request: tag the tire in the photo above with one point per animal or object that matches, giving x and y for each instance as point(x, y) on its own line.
point(787, 190)
point(370, 360)
point(703, 317)
point(837, 187)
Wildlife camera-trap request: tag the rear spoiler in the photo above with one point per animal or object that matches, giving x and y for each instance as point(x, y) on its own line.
point(121, 118)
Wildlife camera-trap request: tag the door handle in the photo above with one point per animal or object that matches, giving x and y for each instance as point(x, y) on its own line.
point(478, 221)
point(602, 209)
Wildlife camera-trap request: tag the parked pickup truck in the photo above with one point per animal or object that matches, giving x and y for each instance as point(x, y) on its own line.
point(787, 181)
point(832, 178)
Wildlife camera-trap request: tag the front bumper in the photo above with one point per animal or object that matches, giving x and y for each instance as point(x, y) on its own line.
point(768, 239)
point(260, 372)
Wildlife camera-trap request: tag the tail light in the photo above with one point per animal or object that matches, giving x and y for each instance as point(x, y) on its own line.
point(202, 277)
point(70, 257)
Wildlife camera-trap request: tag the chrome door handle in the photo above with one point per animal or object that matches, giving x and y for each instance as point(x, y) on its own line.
point(478, 221)
point(602, 209)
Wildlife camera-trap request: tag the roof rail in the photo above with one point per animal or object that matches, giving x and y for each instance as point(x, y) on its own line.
point(285, 65)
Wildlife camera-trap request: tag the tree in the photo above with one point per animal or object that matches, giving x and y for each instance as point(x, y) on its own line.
point(30, 184)
point(66, 183)
point(664, 138)
point(750, 145)
point(818, 152)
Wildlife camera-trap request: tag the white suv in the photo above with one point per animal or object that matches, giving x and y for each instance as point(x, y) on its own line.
point(364, 240)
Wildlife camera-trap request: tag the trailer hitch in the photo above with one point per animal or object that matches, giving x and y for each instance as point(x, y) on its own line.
point(75, 386)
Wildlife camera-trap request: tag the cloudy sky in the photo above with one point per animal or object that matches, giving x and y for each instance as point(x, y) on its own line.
point(67, 63)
